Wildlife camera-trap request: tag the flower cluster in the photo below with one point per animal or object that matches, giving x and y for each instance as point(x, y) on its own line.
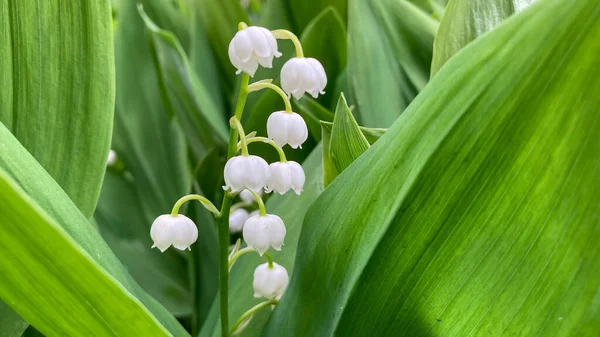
point(250, 176)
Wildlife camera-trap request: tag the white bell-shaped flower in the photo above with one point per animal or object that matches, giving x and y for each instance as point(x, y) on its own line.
point(261, 232)
point(252, 46)
point(237, 218)
point(246, 172)
point(248, 197)
point(303, 74)
point(270, 282)
point(287, 128)
point(285, 176)
point(179, 231)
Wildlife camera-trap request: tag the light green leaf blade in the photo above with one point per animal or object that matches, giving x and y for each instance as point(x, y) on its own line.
point(183, 94)
point(58, 89)
point(390, 44)
point(371, 134)
point(347, 141)
point(477, 211)
point(325, 39)
point(330, 172)
point(72, 281)
point(47, 238)
point(291, 209)
point(313, 113)
point(466, 20)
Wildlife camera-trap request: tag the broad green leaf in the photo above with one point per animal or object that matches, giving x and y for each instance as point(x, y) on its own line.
point(466, 20)
point(434, 7)
point(220, 19)
point(325, 39)
point(165, 14)
point(476, 213)
point(126, 230)
point(347, 141)
point(58, 89)
point(152, 148)
point(11, 324)
point(390, 44)
point(70, 281)
point(291, 209)
point(303, 12)
point(44, 238)
point(200, 116)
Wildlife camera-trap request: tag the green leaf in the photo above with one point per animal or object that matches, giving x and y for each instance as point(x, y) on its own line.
point(45, 237)
point(58, 89)
point(476, 213)
point(325, 39)
point(220, 19)
point(184, 95)
point(466, 20)
point(126, 230)
point(11, 324)
point(330, 172)
point(291, 209)
point(347, 142)
point(371, 134)
point(390, 45)
point(303, 12)
point(152, 148)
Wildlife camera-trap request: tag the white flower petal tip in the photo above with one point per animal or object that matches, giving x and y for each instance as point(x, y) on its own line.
point(261, 232)
point(270, 282)
point(237, 218)
point(301, 75)
point(246, 172)
point(178, 231)
point(285, 176)
point(252, 46)
point(287, 128)
point(112, 158)
point(248, 197)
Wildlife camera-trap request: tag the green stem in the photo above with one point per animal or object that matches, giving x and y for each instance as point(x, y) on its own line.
point(266, 85)
point(223, 231)
point(223, 218)
point(205, 202)
point(261, 204)
point(282, 157)
point(239, 110)
point(269, 259)
point(239, 253)
point(283, 34)
point(251, 312)
point(235, 123)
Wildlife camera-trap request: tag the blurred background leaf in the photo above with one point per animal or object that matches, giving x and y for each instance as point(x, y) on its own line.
point(390, 45)
point(476, 214)
point(466, 20)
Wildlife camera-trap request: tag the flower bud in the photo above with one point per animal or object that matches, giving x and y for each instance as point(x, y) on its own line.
point(287, 128)
point(261, 232)
point(251, 46)
point(248, 197)
point(270, 282)
point(300, 75)
point(285, 176)
point(111, 160)
point(246, 172)
point(179, 231)
point(237, 218)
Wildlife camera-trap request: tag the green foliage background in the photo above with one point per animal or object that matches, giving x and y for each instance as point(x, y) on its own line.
point(453, 167)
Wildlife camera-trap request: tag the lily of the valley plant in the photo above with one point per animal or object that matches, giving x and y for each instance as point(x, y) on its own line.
point(247, 176)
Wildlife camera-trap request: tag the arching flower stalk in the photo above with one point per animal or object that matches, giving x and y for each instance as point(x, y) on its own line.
point(249, 175)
